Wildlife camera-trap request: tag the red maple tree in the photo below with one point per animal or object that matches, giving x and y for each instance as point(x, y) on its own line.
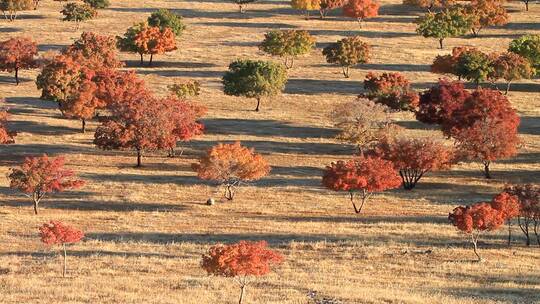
point(119, 88)
point(240, 261)
point(364, 174)
point(16, 54)
point(475, 219)
point(437, 104)
point(40, 175)
point(414, 157)
point(230, 165)
point(58, 233)
point(508, 205)
point(392, 90)
point(361, 9)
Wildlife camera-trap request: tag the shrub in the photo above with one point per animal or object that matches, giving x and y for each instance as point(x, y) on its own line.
point(528, 46)
point(287, 44)
point(347, 52)
point(38, 176)
point(510, 67)
point(362, 123)
point(6, 136)
point(486, 13)
point(475, 219)
point(12, 7)
point(241, 260)
point(164, 18)
point(451, 22)
point(57, 233)
point(98, 4)
point(16, 54)
point(254, 79)
point(185, 88)
point(392, 90)
point(328, 5)
point(78, 13)
point(365, 175)
point(361, 9)
point(230, 165)
point(414, 157)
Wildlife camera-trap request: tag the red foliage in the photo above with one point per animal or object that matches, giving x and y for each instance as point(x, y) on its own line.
point(154, 41)
point(94, 51)
point(438, 104)
point(506, 204)
point(361, 9)
point(446, 64)
point(188, 113)
point(476, 219)
point(16, 54)
point(414, 157)
point(365, 174)
point(121, 88)
point(57, 233)
point(241, 259)
point(487, 13)
point(392, 90)
point(40, 175)
point(528, 196)
point(6, 136)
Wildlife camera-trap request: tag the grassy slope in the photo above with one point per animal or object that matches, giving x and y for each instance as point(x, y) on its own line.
point(146, 229)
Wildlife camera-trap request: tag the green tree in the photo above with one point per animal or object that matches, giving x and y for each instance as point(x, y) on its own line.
point(254, 79)
point(347, 52)
point(10, 8)
point(528, 46)
point(98, 4)
point(165, 18)
point(474, 65)
point(287, 44)
point(78, 12)
point(452, 22)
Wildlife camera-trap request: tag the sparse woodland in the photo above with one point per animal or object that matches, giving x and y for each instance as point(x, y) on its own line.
point(304, 151)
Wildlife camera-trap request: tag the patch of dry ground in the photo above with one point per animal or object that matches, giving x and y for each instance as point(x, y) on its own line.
point(146, 229)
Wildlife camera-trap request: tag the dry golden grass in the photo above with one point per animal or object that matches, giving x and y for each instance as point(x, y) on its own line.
point(147, 228)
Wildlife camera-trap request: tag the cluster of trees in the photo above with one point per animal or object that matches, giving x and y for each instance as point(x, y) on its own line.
point(155, 36)
point(454, 20)
point(357, 9)
point(482, 124)
point(474, 65)
point(516, 201)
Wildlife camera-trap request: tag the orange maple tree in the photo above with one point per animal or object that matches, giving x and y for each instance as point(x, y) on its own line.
point(6, 136)
point(364, 174)
point(40, 175)
point(240, 261)
point(153, 41)
point(508, 205)
point(16, 54)
point(476, 219)
point(487, 13)
point(230, 165)
point(94, 51)
point(361, 9)
point(58, 233)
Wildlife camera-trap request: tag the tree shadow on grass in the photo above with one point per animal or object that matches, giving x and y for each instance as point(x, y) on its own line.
point(11, 79)
point(226, 126)
point(15, 153)
point(316, 86)
point(261, 25)
point(169, 64)
point(362, 33)
point(486, 293)
point(359, 219)
point(9, 29)
point(183, 73)
point(91, 253)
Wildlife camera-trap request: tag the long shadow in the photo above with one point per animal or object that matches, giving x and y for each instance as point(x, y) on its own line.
point(11, 79)
point(33, 103)
point(142, 178)
point(401, 67)
point(92, 253)
point(9, 29)
point(51, 47)
point(416, 125)
point(522, 26)
point(227, 126)
point(269, 147)
point(495, 294)
point(183, 73)
point(371, 220)
point(446, 193)
point(15, 153)
point(316, 86)
point(263, 25)
point(231, 14)
point(362, 33)
point(169, 64)
point(298, 171)
point(40, 128)
point(31, 17)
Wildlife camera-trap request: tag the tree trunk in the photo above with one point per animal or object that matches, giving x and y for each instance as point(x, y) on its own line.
point(524, 226)
point(65, 260)
point(527, 6)
point(258, 104)
point(17, 76)
point(241, 8)
point(307, 15)
point(345, 70)
point(487, 173)
point(507, 88)
point(365, 196)
point(475, 246)
point(509, 233)
point(142, 58)
point(139, 156)
point(36, 197)
point(229, 192)
point(242, 291)
point(151, 60)
point(83, 127)
point(441, 43)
